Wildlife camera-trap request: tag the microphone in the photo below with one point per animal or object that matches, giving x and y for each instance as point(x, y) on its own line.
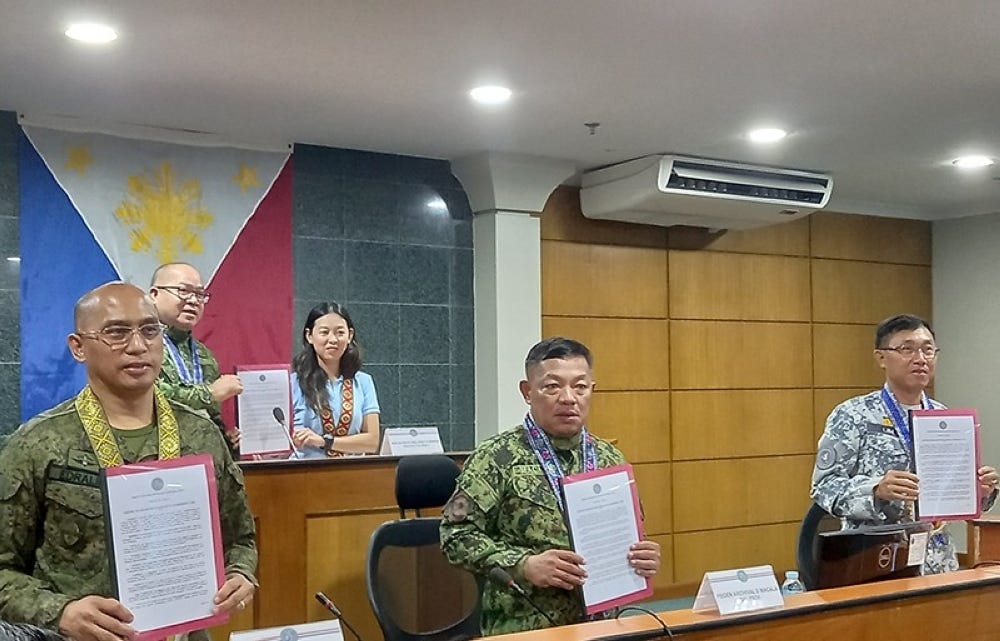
point(328, 604)
point(279, 416)
point(503, 578)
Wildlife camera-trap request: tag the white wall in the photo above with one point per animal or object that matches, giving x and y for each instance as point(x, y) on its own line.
point(966, 284)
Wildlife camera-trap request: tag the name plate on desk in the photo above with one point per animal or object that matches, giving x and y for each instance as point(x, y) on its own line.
point(742, 590)
point(319, 631)
point(403, 441)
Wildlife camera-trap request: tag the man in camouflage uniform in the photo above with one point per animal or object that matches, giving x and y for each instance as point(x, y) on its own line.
point(505, 513)
point(863, 471)
point(190, 371)
point(54, 568)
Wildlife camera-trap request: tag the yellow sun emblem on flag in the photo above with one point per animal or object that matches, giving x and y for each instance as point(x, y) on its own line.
point(165, 217)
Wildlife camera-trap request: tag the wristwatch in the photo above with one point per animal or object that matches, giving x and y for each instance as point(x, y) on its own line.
point(328, 443)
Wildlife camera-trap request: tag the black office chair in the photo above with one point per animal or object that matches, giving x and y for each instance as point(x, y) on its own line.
point(415, 593)
point(25, 632)
point(815, 521)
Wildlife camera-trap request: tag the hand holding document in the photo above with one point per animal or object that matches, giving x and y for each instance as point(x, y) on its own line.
point(946, 459)
point(165, 543)
point(263, 409)
point(603, 518)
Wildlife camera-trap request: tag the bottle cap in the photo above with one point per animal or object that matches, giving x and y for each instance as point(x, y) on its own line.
point(792, 574)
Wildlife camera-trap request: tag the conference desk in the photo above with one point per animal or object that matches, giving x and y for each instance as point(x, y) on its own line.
point(960, 606)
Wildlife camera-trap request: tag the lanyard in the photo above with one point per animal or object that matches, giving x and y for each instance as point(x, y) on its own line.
point(546, 455)
point(194, 376)
point(95, 424)
point(899, 420)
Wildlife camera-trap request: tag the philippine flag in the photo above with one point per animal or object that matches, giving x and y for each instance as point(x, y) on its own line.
point(97, 207)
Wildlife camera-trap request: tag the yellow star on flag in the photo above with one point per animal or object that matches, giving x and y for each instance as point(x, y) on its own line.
point(78, 159)
point(246, 177)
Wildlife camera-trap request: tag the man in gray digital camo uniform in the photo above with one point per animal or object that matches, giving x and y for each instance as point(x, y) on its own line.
point(505, 511)
point(863, 471)
point(54, 569)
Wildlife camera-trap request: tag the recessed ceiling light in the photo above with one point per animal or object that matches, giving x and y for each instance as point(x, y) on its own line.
point(91, 33)
point(13, 259)
point(437, 205)
point(972, 162)
point(490, 95)
point(768, 134)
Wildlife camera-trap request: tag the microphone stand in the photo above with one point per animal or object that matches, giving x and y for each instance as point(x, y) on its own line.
point(328, 604)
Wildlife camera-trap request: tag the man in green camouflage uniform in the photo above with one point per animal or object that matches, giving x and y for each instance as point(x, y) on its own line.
point(190, 371)
point(505, 513)
point(54, 568)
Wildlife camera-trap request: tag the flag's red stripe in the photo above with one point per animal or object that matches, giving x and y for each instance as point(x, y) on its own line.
point(248, 321)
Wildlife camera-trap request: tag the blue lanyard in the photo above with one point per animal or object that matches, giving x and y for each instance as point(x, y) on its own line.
point(193, 377)
point(546, 455)
point(898, 418)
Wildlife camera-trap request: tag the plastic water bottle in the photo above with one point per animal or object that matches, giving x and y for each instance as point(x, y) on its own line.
point(792, 584)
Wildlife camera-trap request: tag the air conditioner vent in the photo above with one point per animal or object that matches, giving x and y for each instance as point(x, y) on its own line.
point(679, 190)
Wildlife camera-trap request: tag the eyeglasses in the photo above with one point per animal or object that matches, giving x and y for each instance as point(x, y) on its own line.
point(929, 352)
point(119, 336)
point(184, 293)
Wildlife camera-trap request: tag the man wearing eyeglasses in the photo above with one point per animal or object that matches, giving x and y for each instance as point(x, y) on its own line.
point(190, 371)
point(863, 471)
point(54, 568)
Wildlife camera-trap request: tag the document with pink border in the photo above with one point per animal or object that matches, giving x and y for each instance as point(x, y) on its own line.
point(946, 460)
point(604, 519)
point(165, 543)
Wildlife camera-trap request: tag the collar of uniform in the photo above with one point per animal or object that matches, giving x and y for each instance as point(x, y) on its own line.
point(566, 442)
point(178, 336)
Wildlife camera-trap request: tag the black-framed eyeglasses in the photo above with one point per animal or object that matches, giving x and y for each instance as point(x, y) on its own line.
point(184, 293)
point(119, 336)
point(929, 352)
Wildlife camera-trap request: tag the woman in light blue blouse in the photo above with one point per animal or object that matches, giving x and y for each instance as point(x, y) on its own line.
point(335, 408)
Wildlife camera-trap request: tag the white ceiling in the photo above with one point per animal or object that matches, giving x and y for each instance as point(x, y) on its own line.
point(880, 93)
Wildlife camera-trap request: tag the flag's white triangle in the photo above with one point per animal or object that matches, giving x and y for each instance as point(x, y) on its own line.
point(148, 203)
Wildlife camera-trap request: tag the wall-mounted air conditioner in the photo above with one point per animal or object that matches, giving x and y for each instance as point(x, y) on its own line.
point(680, 190)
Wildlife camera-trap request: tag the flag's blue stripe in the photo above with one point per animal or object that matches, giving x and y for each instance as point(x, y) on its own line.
point(60, 261)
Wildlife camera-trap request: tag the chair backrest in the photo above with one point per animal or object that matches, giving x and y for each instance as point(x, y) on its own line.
point(424, 481)
point(415, 593)
point(25, 632)
point(815, 521)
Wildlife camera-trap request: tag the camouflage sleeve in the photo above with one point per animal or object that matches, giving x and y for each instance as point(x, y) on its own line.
point(836, 485)
point(23, 598)
point(198, 397)
point(238, 534)
point(467, 540)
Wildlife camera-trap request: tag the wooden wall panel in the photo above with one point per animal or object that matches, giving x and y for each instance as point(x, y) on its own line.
point(870, 238)
point(735, 423)
point(824, 400)
point(843, 356)
point(629, 354)
point(739, 492)
point(335, 565)
point(714, 285)
point(603, 280)
point(563, 220)
point(653, 481)
point(638, 421)
point(789, 239)
point(698, 552)
point(853, 292)
point(718, 357)
point(726, 355)
point(665, 577)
